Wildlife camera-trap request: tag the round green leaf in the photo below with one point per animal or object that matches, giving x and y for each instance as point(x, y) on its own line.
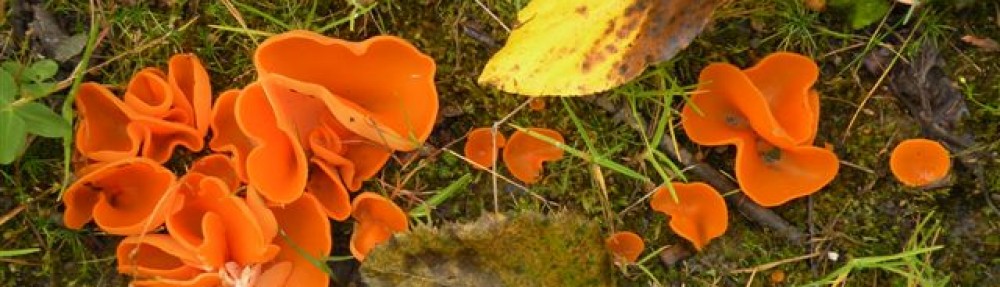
point(42, 121)
point(41, 70)
point(12, 136)
point(8, 88)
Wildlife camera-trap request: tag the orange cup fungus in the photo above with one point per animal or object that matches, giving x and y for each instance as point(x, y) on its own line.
point(288, 149)
point(387, 96)
point(699, 215)
point(376, 219)
point(771, 114)
point(524, 154)
point(155, 115)
point(919, 162)
point(482, 148)
point(626, 246)
point(124, 197)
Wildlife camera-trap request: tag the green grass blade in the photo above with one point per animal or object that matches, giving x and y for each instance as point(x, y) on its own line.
point(17, 252)
point(441, 196)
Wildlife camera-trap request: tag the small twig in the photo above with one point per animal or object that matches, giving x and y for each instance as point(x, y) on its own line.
point(494, 16)
point(10, 214)
point(511, 182)
point(493, 169)
point(766, 266)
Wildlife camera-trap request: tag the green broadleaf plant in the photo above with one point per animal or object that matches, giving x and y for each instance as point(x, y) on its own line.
point(20, 113)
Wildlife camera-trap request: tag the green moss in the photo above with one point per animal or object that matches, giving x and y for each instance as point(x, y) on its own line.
point(524, 249)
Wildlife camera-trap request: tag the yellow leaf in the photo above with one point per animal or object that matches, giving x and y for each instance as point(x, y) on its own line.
point(581, 47)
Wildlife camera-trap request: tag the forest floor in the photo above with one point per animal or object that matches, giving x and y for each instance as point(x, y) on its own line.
point(863, 214)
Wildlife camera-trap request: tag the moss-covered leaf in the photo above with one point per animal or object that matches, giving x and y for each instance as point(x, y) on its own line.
point(527, 249)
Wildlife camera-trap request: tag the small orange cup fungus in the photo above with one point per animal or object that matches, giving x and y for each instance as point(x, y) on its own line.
point(626, 246)
point(388, 97)
point(482, 148)
point(919, 162)
point(699, 217)
point(771, 176)
point(524, 154)
point(376, 219)
point(126, 197)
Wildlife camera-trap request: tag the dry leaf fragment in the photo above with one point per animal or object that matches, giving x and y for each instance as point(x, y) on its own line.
point(985, 44)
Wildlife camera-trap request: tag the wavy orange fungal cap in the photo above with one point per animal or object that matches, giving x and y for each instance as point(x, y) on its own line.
point(367, 158)
point(209, 210)
point(699, 216)
point(355, 158)
point(161, 137)
point(325, 184)
point(771, 175)
point(155, 255)
point(814, 122)
point(148, 93)
point(277, 166)
point(201, 280)
point(299, 107)
point(919, 162)
point(727, 102)
point(481, 148)
point(105, 132)
point(193, 90)
point(785, 80)
point(376, 219)
point(307, 233)
point(524, 154)
point(159, 260)
point(626, 246)
point(387, 97)
point(124, 197)
point(219, 166)
point(226, 133)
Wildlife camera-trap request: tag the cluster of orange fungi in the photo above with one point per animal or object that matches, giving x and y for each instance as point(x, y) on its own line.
point(524, 154)
point(285, 151)
point(771, 114)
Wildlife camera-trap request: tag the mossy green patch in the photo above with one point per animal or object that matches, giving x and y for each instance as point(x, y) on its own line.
point(524, 249)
